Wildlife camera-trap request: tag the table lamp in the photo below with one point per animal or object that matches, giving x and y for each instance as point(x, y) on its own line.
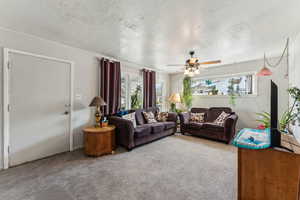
point(173, 99)
point(97, 102)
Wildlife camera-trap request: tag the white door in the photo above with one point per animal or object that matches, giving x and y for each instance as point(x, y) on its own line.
point(39, 95)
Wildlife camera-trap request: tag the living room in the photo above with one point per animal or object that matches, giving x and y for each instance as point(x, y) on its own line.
point(149, 99)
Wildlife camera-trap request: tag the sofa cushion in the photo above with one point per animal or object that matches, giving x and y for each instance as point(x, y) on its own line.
point(158, 127)
point(221, 118)
point(194, 125)
point(199, 110)
point(142, 130)
point(162, 116)
point(197, 117)
point(149, 117)
point(130, 117)
point(140, 120)
point(213, 127)
point(169, 125)
point(214, 112)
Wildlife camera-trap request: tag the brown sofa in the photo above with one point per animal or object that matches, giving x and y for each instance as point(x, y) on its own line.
point(130, 137)
point(208, 129)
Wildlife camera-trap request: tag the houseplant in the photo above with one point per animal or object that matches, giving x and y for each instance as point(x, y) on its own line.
point(290, 115)
point(187, 96)
point(136, 102)
point(231, 93)
point(294, 92)
point(265, 119)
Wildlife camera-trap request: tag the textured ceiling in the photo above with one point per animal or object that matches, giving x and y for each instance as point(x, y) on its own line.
point(155, 33)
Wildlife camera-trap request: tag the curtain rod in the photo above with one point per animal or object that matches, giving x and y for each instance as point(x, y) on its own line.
point(138, 66)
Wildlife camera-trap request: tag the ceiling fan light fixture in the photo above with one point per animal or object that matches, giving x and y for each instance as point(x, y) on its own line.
point(192, 65)
point(193, 61)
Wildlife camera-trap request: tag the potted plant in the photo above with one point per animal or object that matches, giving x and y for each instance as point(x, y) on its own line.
point(294, 92)
point(289, 116)
point(136, 102)
point(231, 93)
point(187, 95)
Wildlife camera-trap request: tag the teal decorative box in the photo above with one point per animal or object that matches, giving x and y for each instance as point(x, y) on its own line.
point(253, 139)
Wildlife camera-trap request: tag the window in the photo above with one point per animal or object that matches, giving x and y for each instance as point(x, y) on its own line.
point(238, 84)
point(159, 95)
point(131, 91)
point(123, 92)
point(135, 85)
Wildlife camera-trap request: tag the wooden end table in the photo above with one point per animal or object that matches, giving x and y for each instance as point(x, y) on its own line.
point(99, 141)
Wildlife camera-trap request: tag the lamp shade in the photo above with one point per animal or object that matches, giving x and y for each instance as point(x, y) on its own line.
point(97, 101)
point(175, 98)
point(264, 72)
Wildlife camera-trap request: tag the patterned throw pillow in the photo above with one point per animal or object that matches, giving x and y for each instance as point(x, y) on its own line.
point(130, 117)
point(162, 116)
point(221, 119)
point(150, 118)
point(197, 117)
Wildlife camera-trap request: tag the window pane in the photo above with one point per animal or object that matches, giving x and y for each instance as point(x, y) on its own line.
point(135, 92)
point(159, 95)
point(239, 85)
point(123, 92)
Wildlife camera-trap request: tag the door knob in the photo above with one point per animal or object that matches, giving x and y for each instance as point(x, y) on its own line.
point(66, 112)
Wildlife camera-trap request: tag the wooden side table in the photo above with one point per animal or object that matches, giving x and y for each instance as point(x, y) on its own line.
point(99, 141)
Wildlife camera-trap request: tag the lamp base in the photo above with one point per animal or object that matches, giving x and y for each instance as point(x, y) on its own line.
point(98, 119)
point(173, 107)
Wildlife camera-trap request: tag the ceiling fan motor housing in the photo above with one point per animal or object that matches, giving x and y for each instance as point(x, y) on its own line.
point(192, 53)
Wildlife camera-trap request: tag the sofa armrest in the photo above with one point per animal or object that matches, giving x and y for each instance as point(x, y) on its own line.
point(172, 117)
point(124, 131)
point(184, 118)
point(230, 126)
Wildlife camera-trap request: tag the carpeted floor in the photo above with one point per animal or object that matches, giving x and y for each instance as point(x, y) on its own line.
point(173, 168)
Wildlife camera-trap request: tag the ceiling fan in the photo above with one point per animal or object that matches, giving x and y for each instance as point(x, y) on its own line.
point(192, 65)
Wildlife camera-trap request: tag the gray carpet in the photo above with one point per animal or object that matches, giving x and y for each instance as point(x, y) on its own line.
point(174, 168)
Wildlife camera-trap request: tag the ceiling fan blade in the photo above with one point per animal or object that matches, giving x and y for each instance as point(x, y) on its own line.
point(210, 62)
point(175, 65)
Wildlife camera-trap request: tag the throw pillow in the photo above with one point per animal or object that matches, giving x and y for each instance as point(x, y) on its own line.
point(130, 117)
point(150, 118)
point(162, 116)
point(221, 119)
point(197, 117)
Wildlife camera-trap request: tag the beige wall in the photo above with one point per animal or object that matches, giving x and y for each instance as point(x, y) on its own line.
point(86, 73)
point(245, 107)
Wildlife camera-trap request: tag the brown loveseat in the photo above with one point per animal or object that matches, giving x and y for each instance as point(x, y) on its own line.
point(208, 129)
point(130, 137)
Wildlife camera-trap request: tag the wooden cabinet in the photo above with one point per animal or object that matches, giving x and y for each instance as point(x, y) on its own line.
point(268, 174)
point(99, 141)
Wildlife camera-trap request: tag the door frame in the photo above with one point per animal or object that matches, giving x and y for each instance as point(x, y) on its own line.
point(6, 100)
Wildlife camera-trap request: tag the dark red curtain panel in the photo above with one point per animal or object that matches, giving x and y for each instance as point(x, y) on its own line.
point(110, 85)
point(149, 78)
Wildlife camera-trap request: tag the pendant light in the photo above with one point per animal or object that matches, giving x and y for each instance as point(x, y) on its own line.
point(264, 71)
